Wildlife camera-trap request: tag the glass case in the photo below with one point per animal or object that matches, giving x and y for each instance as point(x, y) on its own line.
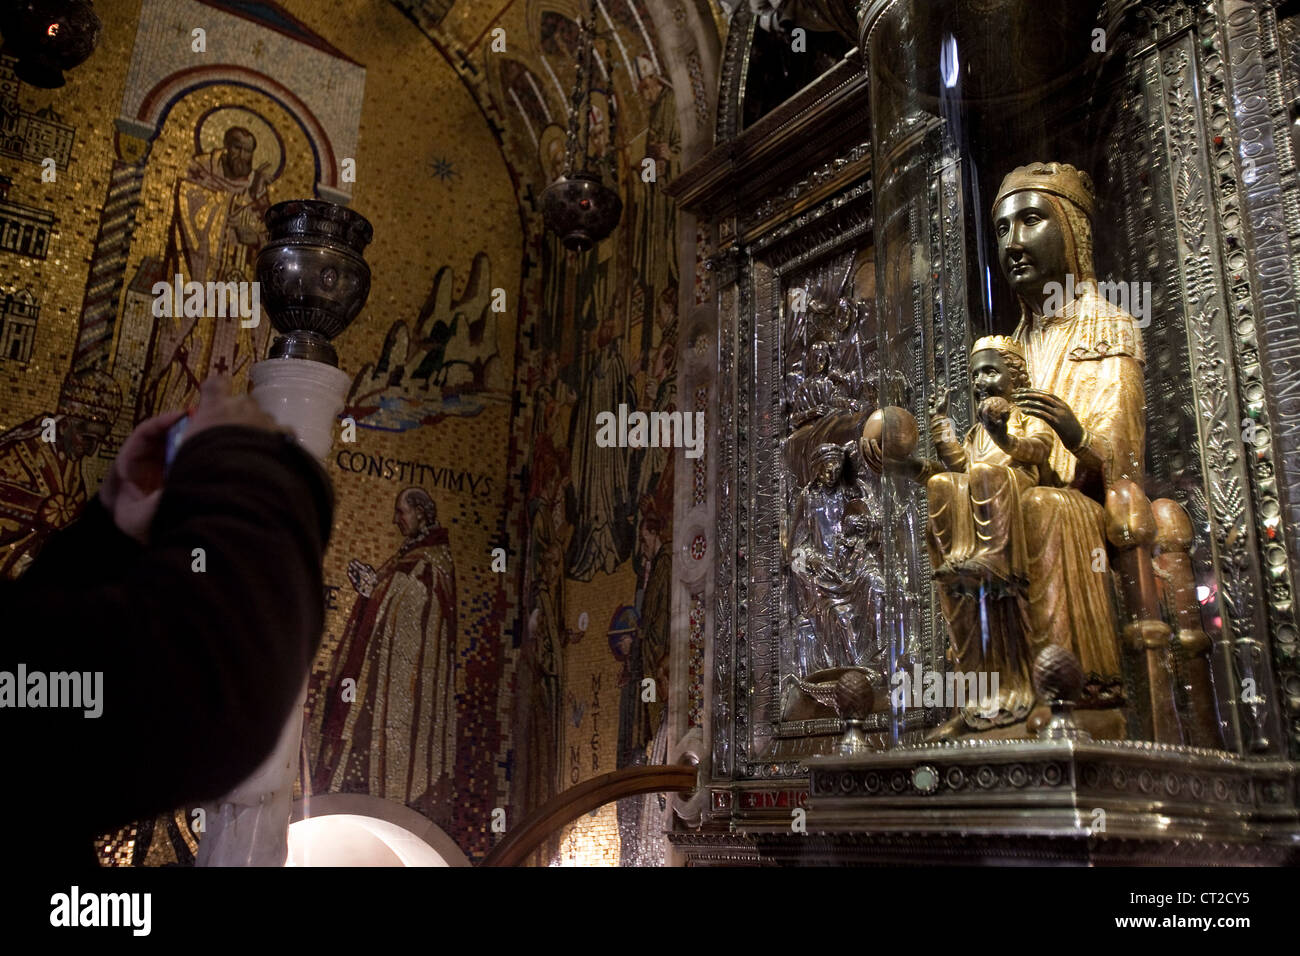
point(1053, 298)
point(1006, 455)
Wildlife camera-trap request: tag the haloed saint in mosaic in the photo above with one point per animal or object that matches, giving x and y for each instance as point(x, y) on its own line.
point(387, 722)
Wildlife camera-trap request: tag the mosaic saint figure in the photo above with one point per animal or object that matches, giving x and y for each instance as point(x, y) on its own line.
point(215, 234)
point(654, 237)
point(655, 599)
point(42, 488)
point(545, 638)
point(640, 643)
point(553, 319)
point(397, 740)
point(644, 654)
point(656, 383)
point(552, 409)
point(598, 291)
point(603, 531)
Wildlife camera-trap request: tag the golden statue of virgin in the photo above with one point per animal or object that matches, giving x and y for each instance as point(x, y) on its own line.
point(1028, 522)
point(1084, 357)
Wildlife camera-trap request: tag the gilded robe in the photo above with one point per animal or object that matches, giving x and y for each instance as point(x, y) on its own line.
point(397, 740)
point(603, 533)
point(1089, 355)
point(203, 246)
point(975, 517)
point(41, 491)
point(654, 213)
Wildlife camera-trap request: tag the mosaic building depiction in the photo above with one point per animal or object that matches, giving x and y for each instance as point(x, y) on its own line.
point(953, 479)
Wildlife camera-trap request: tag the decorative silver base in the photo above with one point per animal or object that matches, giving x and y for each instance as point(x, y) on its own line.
point(854, 741)
point(1064, 801)
point(1062, 787)
point(1061, 725)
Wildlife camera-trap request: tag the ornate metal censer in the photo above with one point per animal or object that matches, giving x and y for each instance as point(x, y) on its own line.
point(578, 206)
point(48, 37)
point(313, 277)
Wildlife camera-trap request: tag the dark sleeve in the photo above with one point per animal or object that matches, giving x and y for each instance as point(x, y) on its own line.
point(202, 656)
point(92, 536)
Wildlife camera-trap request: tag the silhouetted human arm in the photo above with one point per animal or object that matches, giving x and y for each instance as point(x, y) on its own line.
point(200, 667)
point(65, 551)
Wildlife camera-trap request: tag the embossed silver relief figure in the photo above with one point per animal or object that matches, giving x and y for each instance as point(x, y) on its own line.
point(834, 558)
point(831, 539)
point(821, 389)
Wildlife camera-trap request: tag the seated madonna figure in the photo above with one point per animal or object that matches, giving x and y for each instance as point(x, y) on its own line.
point(1085, 365)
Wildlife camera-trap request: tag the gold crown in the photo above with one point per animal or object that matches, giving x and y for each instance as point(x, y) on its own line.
point(999, 343)
point(1059, 179)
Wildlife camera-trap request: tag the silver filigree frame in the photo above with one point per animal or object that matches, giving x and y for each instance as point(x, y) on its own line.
point(1265, 353)
point(1169, 100)
point(750, 572)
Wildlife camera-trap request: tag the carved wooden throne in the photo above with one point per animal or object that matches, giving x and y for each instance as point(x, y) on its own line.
point(1149, 542)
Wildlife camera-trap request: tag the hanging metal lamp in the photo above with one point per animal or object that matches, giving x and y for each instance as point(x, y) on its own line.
point(579, 207)
point(47, 37)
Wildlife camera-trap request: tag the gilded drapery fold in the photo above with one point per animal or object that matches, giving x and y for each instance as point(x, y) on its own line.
point(1090, 356)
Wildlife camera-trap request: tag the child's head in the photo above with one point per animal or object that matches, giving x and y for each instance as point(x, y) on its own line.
point(997, 367)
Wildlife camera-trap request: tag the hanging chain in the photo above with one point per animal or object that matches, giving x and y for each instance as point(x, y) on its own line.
point(612, 153)
point(578, 141)
point(588, 67)
point(577, 106)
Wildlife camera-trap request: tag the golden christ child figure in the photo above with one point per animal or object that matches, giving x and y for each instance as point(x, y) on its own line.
point(976, 536)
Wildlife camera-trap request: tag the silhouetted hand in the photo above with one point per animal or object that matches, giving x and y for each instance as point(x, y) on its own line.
point(218, 407)
point(133, 485)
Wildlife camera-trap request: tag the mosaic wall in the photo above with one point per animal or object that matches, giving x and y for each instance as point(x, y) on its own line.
point(423, 493)
point(597, 590)
point(474, 426)
point(597, 522)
